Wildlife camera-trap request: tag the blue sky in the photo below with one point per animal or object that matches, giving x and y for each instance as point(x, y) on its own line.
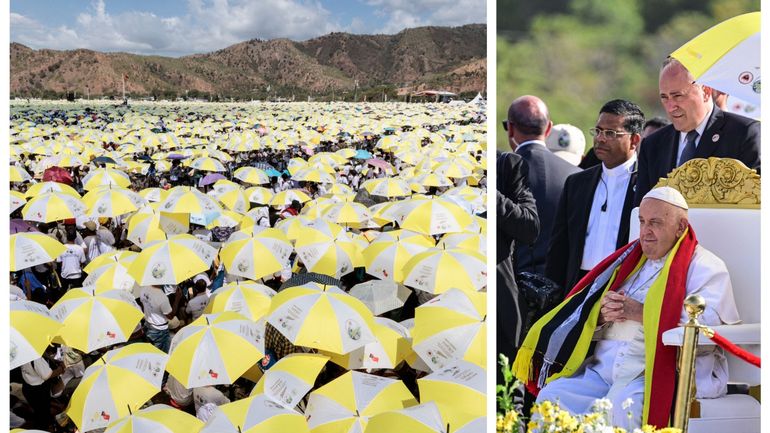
point(181, 27)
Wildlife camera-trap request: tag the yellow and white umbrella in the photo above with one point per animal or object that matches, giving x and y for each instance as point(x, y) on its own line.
point(321, 317)
point(347, 212)
point(287, 381)
point(158, 418)
point(257, 414)
point(431, 216)
point(313, 174)
point(32, 329)
point(263, 254)
point(111, 201)
point(334, 255)
point(95, 320)
point(284, 198)
point(391, 347)
point(201, 353)
point(18, 174)
point(172, 261)
point(185, 199)
point(111, 276)
point(252, 175)
point(44, 187)
point(250, 299)
point(451, 327)
point(31, 249)
point(726, 57)
point(340, 189)
point(386, 255)
point(259, 194)
point(153, 194)
point(438, 270)
point(346, 403)
point(387, 187)
point(293, 226)
point(109, 257)
point(105, 176)
point(235, 199)
point(423, 418)
point(53, 206)
point(459, 391)
point(118, 383)
point(17, 200)
point(471, 241)
point(148, 225)
point(206, 163)
point(227, 218)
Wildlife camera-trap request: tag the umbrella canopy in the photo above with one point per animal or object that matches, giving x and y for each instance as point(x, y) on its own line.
point(111, 201)
point(17, 200)
point(257, 414)
point(32, 249)
point(105, 176)
point(381, 296)
point(388, 187)
point(148, 225)
point(111, 276)
point(423, 418)
point(235, 199)
point(287, 381)
point(118, 383)
point(44, 187)
point(284, 198)
point(95, 320)
point(386, 256)
point(210, 179)
point(32, 329)
point(313, 174)
point(258, 256)
point(321, 317)
point(250, 299)
point(326, 253)
point(472, 241)
point(431, 216)
point(21, 226)
point(17, 173)
point(726, 57)
point(53, 206)
point(172, 261)
point(392, 346)
point(252, 175)
point(438, 270)
point(158, 418)
point(450, 327)
point(459, 391)
point(207, 163)
point(259, 194)
point(201, 353)
point(310, 277)
point(57, 174)
point(346, 403)
point(184, 199)
point(347, 212)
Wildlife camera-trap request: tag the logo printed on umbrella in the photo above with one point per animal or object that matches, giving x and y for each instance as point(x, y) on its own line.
point(105, 415)
point(213, 374)
point(354, 329)
point(158, 270)
point(757, 86)
point(14, 351)
point(111, 334)
point(745, 77)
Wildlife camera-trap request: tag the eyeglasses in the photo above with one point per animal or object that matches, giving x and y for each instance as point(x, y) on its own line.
point(505, 125)
point(676, 96)
point(608, 133)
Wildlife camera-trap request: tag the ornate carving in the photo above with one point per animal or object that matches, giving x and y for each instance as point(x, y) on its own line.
point(715, 182)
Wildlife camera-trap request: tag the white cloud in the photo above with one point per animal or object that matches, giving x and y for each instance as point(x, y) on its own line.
point(205, 26)
point(401, 14)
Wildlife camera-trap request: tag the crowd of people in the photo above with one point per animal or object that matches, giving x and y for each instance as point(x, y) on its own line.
point(381, 141)
point(567, 219)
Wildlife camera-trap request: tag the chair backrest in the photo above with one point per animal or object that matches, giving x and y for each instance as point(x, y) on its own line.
point(727, 224)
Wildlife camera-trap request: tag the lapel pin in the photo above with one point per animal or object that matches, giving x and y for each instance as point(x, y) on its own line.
point(715, 138)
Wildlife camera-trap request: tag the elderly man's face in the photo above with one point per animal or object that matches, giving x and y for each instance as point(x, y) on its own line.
point(660, 225)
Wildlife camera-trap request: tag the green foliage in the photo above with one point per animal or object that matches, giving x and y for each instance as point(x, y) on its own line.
point(592, 51)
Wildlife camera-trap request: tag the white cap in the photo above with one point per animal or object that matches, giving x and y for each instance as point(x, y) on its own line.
point(568, 142)
point(669, 195)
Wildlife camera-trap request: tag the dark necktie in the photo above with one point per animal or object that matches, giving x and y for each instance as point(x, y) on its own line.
point(689, 147)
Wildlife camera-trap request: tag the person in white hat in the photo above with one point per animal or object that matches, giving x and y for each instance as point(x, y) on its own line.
point(567, 142)
point(647, 279)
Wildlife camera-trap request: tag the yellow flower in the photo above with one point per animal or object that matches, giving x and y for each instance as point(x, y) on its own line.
point(500, 421)
point(532, 425)
point(648, 429)
point(669, 430)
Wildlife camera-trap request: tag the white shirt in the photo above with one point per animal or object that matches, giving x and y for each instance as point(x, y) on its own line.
point(70, 260)
point(603, 227)
point(197, 304)
point(619, 362)
point(36, 372)
point(700, 128)
point(155, 305)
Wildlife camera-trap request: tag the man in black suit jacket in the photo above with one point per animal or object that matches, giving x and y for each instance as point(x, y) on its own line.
point(528, 125)
point(592, 219)
point(516, 222)
point(690, 107)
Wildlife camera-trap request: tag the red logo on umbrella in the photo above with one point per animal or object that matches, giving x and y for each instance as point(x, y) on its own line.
point(213, 374)
point(110, 334)
point(105, 415)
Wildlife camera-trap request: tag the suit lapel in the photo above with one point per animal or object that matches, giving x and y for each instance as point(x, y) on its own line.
point(587, 199)
point(707, 145)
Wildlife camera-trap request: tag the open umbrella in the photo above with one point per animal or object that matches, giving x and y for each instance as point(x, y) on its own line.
point(437, 270)
point(105, 176)
point(726, 57)
point(210, 178)
point(57, 174)
point(257, 414)
point(381, 296)
point(423, 418)
point(17, 173)
point(158, 418)
point(346, 403)
point(459, 391)
point(32, 329)
point(287, 381)
point(53, 206)
point(20, 226)
point(17, 200)
point(44, 187)
point(32, 249)
point(202, 353)
point(248, 298)
point(172, 261)
point(258, 256)
point(118, 383)
point(95, 320)
point(391, 346)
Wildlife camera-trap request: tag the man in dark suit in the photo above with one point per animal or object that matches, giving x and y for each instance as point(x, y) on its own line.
point(592, 219)
point(528, 125)
point(698, 129)
point(516, 222)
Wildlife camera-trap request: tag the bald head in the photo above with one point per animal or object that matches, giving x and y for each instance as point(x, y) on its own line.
point(529, 116)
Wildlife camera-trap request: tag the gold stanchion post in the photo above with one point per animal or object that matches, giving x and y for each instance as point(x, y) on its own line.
point(685, 390)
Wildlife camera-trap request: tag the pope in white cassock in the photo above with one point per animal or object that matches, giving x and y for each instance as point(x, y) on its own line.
point(625, 304)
